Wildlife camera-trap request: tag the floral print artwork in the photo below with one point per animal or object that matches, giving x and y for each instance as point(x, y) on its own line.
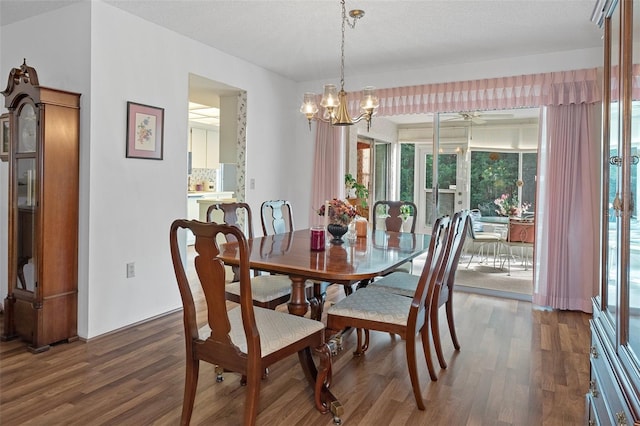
point(145, 138)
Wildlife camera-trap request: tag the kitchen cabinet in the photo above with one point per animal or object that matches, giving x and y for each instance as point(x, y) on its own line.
point(42, 299)
point(205, 148)
point(613, 397)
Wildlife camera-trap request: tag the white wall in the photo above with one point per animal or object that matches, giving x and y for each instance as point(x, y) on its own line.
point(134, 201)
point(59, 51)
point(127, 205)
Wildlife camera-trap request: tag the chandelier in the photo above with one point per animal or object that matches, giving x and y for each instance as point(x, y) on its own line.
point(334, 102)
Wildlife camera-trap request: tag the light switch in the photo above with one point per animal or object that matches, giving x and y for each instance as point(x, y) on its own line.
point(252, 183)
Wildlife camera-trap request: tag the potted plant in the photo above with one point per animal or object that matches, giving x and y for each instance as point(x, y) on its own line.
point(356, 190)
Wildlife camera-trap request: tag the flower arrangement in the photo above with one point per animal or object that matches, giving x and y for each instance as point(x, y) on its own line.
point(340, 212)
point(508, 205)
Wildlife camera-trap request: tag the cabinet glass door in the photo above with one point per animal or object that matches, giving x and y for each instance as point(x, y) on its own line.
point(614, 173)
point(633, 290)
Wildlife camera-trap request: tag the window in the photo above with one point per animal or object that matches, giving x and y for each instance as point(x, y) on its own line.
point(407, 171)
point(493, 174)
point(381, 171)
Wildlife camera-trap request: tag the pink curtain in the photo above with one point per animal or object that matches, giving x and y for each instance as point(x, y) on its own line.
point(522, 91)
point(567, 208)
point(328, 168)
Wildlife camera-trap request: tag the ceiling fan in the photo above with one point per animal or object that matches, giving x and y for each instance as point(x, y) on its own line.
point(477, 117)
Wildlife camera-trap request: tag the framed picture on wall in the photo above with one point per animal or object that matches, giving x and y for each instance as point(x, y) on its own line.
point(145, 127)
point(4, 137)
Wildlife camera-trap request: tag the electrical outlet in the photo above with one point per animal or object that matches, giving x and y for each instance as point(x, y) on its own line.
point(131, 270)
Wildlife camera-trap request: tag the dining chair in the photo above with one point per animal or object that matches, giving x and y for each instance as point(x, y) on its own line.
point(276, 217)
point(268, 291)
point(393, 212)
point(245, 339)
point(481, 240)
point(402, 283)
point(521, 233)
point(372, 309)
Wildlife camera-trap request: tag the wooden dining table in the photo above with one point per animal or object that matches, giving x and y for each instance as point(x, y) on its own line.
point(364, 258)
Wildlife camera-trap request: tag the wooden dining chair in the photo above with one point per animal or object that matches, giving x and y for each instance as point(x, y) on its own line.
point(372, 309)
point(404, 284)
point(276, 217)
point(245, 339)
point(269, 291)
point(394, 222)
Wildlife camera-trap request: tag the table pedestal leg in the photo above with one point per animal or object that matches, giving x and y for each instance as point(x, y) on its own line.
point(298, 304)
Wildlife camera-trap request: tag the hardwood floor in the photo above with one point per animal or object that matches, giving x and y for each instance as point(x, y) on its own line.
point(517, 366)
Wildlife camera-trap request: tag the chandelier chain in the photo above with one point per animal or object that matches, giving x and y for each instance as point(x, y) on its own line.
point(335, 104)
point(344, 20)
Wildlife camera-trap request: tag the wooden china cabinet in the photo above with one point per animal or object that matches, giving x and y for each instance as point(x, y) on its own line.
point(614, 393)
point(41, 304)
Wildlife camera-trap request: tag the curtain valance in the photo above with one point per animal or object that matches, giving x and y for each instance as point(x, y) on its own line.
point(532, 90)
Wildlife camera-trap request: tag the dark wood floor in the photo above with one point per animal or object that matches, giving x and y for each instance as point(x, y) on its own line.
point(517, 366)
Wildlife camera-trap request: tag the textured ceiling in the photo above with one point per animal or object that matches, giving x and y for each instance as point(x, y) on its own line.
point(300, 39)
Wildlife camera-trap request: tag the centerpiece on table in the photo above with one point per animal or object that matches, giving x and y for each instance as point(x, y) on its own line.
point(339, 216)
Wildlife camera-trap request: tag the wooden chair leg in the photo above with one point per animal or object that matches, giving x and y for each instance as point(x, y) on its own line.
point(358, 350)
point(361, 346)
point(413, 371)
point(254, 376)
point(452, 326)
point(435, 332)
point(366, 340)
point(190, 385)
point(424, 332)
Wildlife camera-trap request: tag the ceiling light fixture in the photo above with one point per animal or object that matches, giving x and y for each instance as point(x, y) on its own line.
point(335, 103)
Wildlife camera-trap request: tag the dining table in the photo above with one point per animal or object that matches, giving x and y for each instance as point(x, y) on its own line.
point(355, 260)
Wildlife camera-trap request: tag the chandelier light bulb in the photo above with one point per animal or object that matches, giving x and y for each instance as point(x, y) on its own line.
point(369, 99)
point(309, 106)
point(330, 96)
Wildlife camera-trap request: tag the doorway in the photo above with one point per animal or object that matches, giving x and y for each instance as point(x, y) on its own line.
point(215, 145)
point(436, 169)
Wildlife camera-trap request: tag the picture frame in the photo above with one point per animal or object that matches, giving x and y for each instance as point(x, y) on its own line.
point(4, 137)
point(145, 131)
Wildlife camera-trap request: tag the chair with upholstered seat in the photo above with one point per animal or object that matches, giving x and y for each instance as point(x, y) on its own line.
point(393, 212)
point(276, 217)
point(269, 291)
point(372, 309)
point(404, 284)
point(395, 215)
point(245, 339)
